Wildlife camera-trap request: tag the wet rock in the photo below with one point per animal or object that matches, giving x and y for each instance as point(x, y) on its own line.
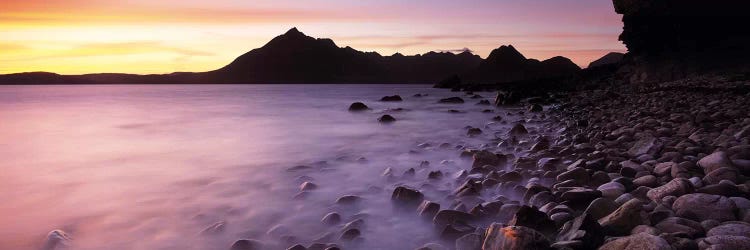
point(514, 238)
point(435, 175)
point(680, 225)
point(428, 209)
point(581, 195)
point(645, 145)
point(704, 207)
point(474, 132)
point(332, 218)
point(536, 108)
point(611, 190)
point(484, 157)
point(445, 217)
point(452, 100)
point(484, 102)
point(646, 181)
point(348, 200)
point(518, 129)
point(676, 187)
point(579, 175)
point(350, 234)
point(247, 244)
point(307, 186)
point(215, 228)
point(451, 232)
point(715, 161)
point(723, 173)
point(297, 247)
point(532, 218)
point(583, 228)
point(724, 242)
point(432, 246)
point(601, 207)
point(735, 228)
point(393, 98)
point(624, 218)
point(386, 119)
point(358, 106)
point(641, 241)
point(56, 239)
point(470, 241)
point(406, 197)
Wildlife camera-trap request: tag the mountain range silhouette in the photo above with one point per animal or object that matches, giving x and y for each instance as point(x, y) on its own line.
point(294, 57)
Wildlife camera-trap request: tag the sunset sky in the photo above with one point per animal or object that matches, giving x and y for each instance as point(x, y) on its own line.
point(146, 36)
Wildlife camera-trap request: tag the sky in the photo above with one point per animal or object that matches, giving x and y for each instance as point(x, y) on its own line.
point(146, 36)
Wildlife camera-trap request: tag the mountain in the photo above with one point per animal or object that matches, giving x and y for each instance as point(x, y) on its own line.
point(608, 59)
point(506, 64)
point(294, 57)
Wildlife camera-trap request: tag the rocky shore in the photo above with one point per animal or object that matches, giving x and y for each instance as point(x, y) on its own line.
point(658, 166)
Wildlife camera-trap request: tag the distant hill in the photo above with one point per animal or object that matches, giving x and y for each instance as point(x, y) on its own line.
point(608, 59)
point(294, 57)
point(506, 64)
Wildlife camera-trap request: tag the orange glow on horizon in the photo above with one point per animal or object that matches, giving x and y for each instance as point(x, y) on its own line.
point(94, 36)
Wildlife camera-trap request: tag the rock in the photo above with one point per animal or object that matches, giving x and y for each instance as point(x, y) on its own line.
point(579, 175)
point(215, 228)
point(474, 132)
point(735, 228)
point(680, 225)
point(532, 218)
point(350, 234)
point(471, 241)
point(611, 190)
point(583, 228)
point(536, 108)
point(406, 197)
point(484, 102)
point(714, 161)
point(432, 246)
point(645, 145)
point(56, 240)
point(641, 241)
point(435, 175)
point(393, 98)
point(676, 187)
point(451, 232)
point(600, 207)
point(646, 181)
point(348, 200)
point(428, 209)
point(518, 129)
point(332, 218)
point(297, 247)
point(514, 238)
point(581, 196)
point(482, 158)
point(724, 242)
point(358, 106)
point(247, 244)
point(445, 217)
point(624, 218)
point(723, 173)
point(307, 186)
point(704, 207)
point(386, 119)
point(453, 100)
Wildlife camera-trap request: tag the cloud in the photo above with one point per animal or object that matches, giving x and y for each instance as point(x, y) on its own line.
point(114, 49)
point(456, 50)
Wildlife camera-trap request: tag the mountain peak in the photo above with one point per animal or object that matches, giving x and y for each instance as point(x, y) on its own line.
point(506, 55)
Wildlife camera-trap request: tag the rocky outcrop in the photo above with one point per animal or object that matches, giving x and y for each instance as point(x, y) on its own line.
point(671, 39)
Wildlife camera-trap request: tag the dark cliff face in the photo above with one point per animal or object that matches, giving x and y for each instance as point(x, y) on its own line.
point(667, 39)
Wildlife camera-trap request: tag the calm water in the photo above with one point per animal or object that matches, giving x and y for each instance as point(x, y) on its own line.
point(150, 167)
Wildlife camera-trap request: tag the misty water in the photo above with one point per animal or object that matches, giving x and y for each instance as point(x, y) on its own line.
point(152, 167)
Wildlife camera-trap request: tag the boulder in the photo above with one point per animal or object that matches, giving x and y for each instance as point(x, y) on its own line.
point(393, 98)
point(428, 209)
point(724, 242)
point(735, 228)
point(514, 238)
point(583, 228)
point(518, 129)
point(472, 241)
point(483, 157)
point(358, 106)
point(452, 100)
point(675, 187)
point(246, 244)
point(714, 161)
point(645, 145)
point(445, 217)
point(702, 207)
point(624, 218)
point(693, 229)
point(386, 119)
point(406, 197)
point(641, 241)
point(532, 218)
